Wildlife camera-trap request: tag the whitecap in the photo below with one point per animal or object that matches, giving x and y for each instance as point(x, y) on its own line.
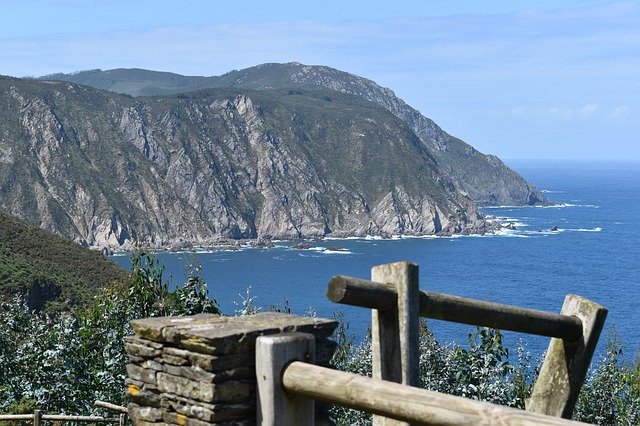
point(423, 237)
point(596, 229)
point(337, 252)
point(343, 238)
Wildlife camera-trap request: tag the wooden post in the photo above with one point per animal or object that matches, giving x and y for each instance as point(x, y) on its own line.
point(395, 343)
point(566, 363)
point(37, 417)
point(275, 406)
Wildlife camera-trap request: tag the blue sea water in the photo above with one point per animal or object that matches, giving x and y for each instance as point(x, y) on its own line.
point(595, 253)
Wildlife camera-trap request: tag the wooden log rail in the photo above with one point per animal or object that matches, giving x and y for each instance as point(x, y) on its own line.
point(395, 300)
point(287, 388)
point(37, 417)
point(59, 418)
point(383, 296)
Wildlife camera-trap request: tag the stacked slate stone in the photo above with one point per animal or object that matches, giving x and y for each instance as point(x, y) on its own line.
point(200, 370)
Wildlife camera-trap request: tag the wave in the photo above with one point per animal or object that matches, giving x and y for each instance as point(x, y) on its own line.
point(511, 233)
point(343, 238)
point(564, 205)
point(337, 252)
point(596, 229)
point(561, 230)
point(549, 191)
point(550, 206)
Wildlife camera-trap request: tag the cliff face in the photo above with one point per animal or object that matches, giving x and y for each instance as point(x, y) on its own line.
point(105, 169)
point(484, 178)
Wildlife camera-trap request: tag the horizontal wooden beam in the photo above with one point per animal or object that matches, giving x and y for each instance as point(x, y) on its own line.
point(59, 418)
point(15, 417)
point(363, 293)
point(110, 406)
point(400, 402)
point(383, 296)
point(89, 419)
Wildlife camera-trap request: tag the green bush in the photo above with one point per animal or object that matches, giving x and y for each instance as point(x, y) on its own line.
point(480, 371)
point(62, 363)
point(611, 394)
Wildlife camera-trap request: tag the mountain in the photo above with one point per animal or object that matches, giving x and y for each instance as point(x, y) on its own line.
point(136, 82)
point(485, 178)
point(190, 169)
point(48, 269)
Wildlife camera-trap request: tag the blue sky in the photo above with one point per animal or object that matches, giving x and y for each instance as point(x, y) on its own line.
point(519, 79)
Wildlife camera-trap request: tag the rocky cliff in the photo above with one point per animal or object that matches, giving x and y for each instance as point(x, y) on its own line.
point(485, 178)
point(105, 169)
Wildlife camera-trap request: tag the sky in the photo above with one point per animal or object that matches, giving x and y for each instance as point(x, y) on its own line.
point(518, 79)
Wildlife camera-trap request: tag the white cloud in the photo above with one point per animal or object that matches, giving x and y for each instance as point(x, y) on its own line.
point(518, 111)
point(588, 110)
point(559, 113)
point(620, 113)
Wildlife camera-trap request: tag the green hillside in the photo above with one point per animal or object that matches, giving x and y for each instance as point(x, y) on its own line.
point(50, 270)
point(483, 178)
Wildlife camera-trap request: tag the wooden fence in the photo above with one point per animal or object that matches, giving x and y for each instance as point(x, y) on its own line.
point(37, 417)
point(287, 387)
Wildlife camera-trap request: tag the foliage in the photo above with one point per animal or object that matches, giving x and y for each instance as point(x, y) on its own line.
point(611, 394)
point(29, 255)
point(480, 371)
point(63, 363)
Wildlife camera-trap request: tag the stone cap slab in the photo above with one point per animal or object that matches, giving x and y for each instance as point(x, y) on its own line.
point(215, 334)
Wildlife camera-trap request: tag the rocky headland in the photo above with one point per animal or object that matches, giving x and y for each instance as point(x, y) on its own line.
point(199, 169)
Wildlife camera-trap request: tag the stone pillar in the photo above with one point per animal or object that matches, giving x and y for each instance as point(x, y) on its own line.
point(200, 370)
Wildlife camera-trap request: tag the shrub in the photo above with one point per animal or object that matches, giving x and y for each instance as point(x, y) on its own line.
point(611, 393)
point(480, 371)
point(63, 363)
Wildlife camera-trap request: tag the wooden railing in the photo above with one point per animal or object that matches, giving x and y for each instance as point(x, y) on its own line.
point(288, 387)
point(37, 417)
point(396, 303)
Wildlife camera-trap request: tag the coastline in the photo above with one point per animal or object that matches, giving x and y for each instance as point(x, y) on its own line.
point(496, 226)
point(499, 226)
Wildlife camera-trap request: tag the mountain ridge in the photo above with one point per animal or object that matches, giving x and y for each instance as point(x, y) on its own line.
point(194, 168)
point(485, 178)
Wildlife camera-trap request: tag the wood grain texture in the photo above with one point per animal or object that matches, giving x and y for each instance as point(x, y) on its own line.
point(275, 406)
point(383, 296)
point(404, 403)
point(567, 362)
point(394, 336)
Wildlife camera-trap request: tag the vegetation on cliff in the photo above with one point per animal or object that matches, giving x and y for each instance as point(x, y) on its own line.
point(50, 270)
point(62, 363)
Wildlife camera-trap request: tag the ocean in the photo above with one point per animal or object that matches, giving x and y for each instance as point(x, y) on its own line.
point(594, 253)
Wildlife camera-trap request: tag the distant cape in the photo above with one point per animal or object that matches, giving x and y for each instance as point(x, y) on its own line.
point(273, 151)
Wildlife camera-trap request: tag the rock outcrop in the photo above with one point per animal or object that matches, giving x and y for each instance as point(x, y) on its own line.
point(484, 178)
point(191, 169)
